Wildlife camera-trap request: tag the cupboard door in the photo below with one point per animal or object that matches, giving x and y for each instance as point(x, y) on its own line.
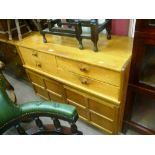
point(36, 79)
point(55, 90)
point(140, 110)
point(104, 108)
point(143, 66)
point(41, 92)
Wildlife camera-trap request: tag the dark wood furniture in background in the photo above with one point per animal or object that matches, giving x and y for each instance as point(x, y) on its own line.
point(141, 87)
point(8, 26)
point(73, 28)
point(10, 56)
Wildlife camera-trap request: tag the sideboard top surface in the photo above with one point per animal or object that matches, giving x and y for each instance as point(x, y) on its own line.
point(113, 54)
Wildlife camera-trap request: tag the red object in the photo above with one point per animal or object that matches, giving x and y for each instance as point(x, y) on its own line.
point(120, 27)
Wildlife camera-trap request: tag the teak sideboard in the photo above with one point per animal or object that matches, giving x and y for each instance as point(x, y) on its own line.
point(94, 82)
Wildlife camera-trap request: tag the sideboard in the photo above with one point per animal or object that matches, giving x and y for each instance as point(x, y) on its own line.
point(95, 83)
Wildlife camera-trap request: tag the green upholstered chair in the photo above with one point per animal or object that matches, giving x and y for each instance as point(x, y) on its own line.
point(12, 114)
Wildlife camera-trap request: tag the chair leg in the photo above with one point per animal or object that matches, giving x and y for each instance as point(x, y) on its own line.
point(9, 29)
point(108, 29)
point(27, 26)
point(57, 124)
point(39, 123)
point(94, 34)
point(78, 31)
point(41, 30)
point(18, 29)
point(20, 130)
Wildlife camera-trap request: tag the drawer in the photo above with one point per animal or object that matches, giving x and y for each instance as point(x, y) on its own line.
point(104, 108)
point(102, 122)
point(98, 73)
point(41, 92)
point(35, 78)
point(90, 84)
point(54, 87)
point(38, 60)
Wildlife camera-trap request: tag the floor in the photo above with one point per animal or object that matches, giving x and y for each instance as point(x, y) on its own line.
point(25, 93)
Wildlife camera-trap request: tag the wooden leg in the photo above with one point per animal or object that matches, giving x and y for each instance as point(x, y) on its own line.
point(27, 25)
point(39, 123)
point(20, 130)
point(41, 30)
point(94, 34)
point(78, 31)
point(35, 23)
point(18, 29)
point(57, 124)
point(44, 38)
point(9, 29)
point(108, 29)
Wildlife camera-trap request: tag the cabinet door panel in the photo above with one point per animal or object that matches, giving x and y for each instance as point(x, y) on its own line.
point(143, 66)
point(36, 79)
point(102, 122)
point(103, 108)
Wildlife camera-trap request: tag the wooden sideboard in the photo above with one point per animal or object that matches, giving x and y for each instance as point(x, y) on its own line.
point(94, 82)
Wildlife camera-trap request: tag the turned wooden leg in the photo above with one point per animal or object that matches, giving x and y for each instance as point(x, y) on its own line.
point(18, 29)
point(41, 30)
point(94, 33)
point(57, 124)
point(20, 130)
point(78, 31)
point(108, 29)
point(39, 123)
point(9, 29)
point(44, 38)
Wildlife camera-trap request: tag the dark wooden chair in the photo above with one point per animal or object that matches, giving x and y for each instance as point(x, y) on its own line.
point(13, 115)
point(73, 28)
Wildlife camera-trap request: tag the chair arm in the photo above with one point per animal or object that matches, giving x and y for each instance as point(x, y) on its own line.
point(58, 110)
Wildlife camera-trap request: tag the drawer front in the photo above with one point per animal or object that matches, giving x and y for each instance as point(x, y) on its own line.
point(90, 84)
point(41, 92)
point(54, 87)
point(102, 122)
point(104, 108)
point(75, 97)
point(55, 90)
point(35, 78)
point(38, 60)
point(98, 73)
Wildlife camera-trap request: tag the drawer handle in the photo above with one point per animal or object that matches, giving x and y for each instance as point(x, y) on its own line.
point(84, 69)
point(84, 81)
point(34, 53)
point(38, 64)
